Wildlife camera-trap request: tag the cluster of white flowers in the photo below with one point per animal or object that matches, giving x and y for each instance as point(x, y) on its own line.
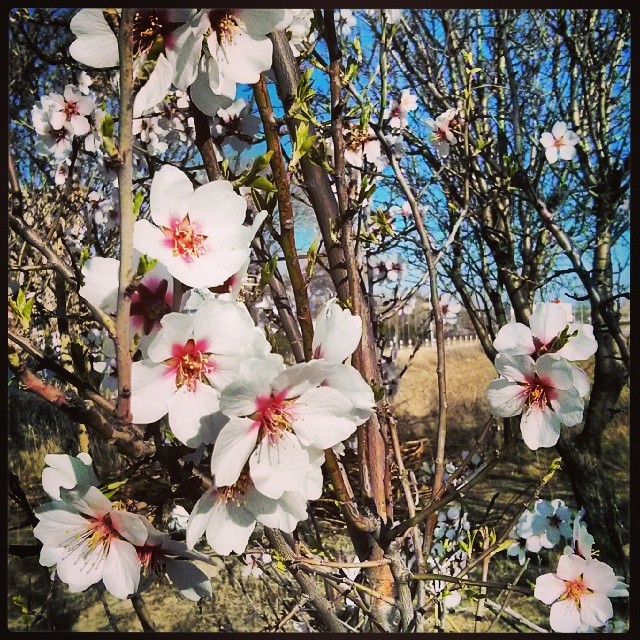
point(58, 119)
point(398, 110)
point(541, 527)
point(209, 51)
point(90, 540)
point(536, 378)
point(235, 126)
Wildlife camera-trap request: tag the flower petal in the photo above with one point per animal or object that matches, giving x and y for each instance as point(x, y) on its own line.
point(539, 427)
point(152, 384)
point(283, 513)
point(564, 616)
point(229, 528)
point(100, 286)
point(233, 447)
point(337, 333)
point(278, 466)
point(515, 368)
point(96, 44)
point(200, 516)
point(155, 88)
point(171, 191)
point(506, 398)
point(547, 321)
point(191, 582)
point(595, 609)
point(194, 416)
point(581, 346)
point(515, 339)
point(570, 566)
point(558, 130)
point(121, 569)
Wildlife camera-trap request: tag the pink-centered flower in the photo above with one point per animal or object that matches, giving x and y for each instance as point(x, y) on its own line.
point(549, 331)
point(72, 108)
point(190, 360)
point(198, 235)
point(237, 50)
point(442, 136)
point(150, 301)
point(89, 541)
point(450, 308)
point(560, 143)
point(579, 593)
point(228, 514)
point(398, 110)
point(274, 416)
point(542, 391)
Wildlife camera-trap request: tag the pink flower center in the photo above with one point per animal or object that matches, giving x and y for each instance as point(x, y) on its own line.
point(575, 589)
point(150, 304)
point(559, 142)
point(191, 363)
point(537, 394)
point(152, 558)
point(440, 134)
point(185, 240)
point(70, 109)
point(274, 415)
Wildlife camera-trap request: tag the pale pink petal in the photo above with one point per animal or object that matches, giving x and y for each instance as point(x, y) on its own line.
point(580, 347)
point(558, 130)
point(515, 339)
point(155, 88)
point(506, 398)
point(322, 418)
point(240, 398)
point(233, 447)
point(50, 556)
point(564, 616)
point(350, 383)
point(539, 427)
point(278, 466)
point(337, 333)
point(599, 577)
point(567, 152)
point(226, 326)
point(555, 371)
point(580, 381)
point(547, 321)
point(80, 125)
point(552, 154)
point(515, 368)
point(262, 21)
point(121, 569)
point(244, 58)
point(171, 192)
point(194, 416)
point(595, 609)
point(148, 239)
point(570, 566)
point(300, 378)
point(229, 528)
point(152, 386)
point(96, 44)
point(130, 526)
point(205, 99)
point(59, 523)
point(100, 286)
point(82, 567)
point(88, 500)
point(184, 55)
point(67, 472)
point(216, 204)
point(568, 406)
point(177, 329)
point(283, 513)
point(547, 140)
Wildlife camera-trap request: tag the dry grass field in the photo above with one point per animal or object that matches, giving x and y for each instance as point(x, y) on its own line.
point(238, 601)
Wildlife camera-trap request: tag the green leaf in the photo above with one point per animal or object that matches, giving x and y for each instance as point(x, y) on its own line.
point(312, 256)
point(268, 269)
point(262, 183)
point(109, 490)
point(145, 264)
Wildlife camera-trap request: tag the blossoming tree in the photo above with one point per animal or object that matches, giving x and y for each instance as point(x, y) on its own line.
point(214, 214)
